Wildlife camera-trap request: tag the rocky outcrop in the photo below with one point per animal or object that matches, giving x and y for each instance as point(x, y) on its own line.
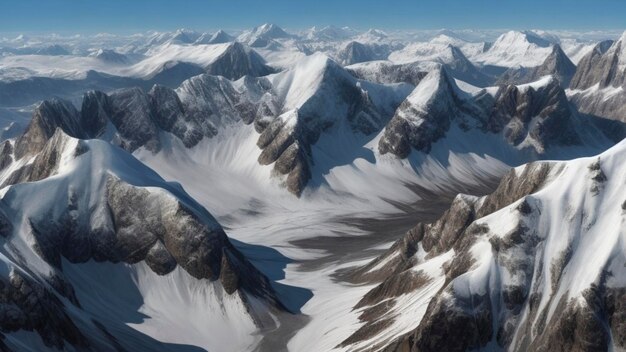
point(539, 115)
point(605, 65)
point(599, 82)
point(109, 214)
point(535, 116)
point(31, 305)
point(425, 116)
point(557, 64)
point(46, 118)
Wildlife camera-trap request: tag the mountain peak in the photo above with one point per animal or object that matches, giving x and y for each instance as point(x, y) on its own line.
point(517, 37)
point(271, 30)
point(425, 116)
point(221, 37)
point(237, 61)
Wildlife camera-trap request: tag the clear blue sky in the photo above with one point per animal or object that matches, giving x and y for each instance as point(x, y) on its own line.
point(134, 15)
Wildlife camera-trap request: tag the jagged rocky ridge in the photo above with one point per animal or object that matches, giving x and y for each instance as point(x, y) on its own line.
point(604, 65)
point(598, 86)
point(76, 201)
point(536, 265)
point(284, 108)
point(533, 116)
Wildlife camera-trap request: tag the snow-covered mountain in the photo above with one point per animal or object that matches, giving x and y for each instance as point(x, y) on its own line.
point(252, 190)
point(72, 212)
point(283, 107)
point(388, 72)
point(469, 49)
point(537, 264)
point(434, 54)
point(263, 35)
point(598, 86)
point(355, 52)
point(329, 33)
point(556, 64)
point(111, 56)
point(605, 65)
point(511, 49)
point(531, 117)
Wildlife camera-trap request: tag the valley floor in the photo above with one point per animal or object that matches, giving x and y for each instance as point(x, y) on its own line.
point(305, 248)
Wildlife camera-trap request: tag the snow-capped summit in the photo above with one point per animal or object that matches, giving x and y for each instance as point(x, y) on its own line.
point(514, 48)
point(220, 37)
point(599, 85)
point(51, 50)
point(425, 115)
point(329, 33)
point(184, 36)
point(262, 35)
point(556, 64)
point(20, 39)
point(470, 49)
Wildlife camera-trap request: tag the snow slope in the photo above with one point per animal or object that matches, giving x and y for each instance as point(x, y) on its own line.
point(516, 49)
point(526, 259)
point(57, 209)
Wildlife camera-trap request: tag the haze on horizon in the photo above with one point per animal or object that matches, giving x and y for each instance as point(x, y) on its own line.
point(92, 16)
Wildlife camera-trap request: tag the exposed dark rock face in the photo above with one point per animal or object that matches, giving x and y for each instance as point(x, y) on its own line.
point(511, 316)
point(450, 325)
point(556, 64)
point(205, 104)
point(47, 117)
point(601, 66)
point(27, 304)
point(6, 154)
point(133, 119)
point(425, 116)
point(115, 222)
point(137, 225)
point(543, 114)
point(238, 61)
point(537, 117)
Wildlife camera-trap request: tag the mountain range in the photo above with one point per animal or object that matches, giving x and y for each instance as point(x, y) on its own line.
point(324, 190)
